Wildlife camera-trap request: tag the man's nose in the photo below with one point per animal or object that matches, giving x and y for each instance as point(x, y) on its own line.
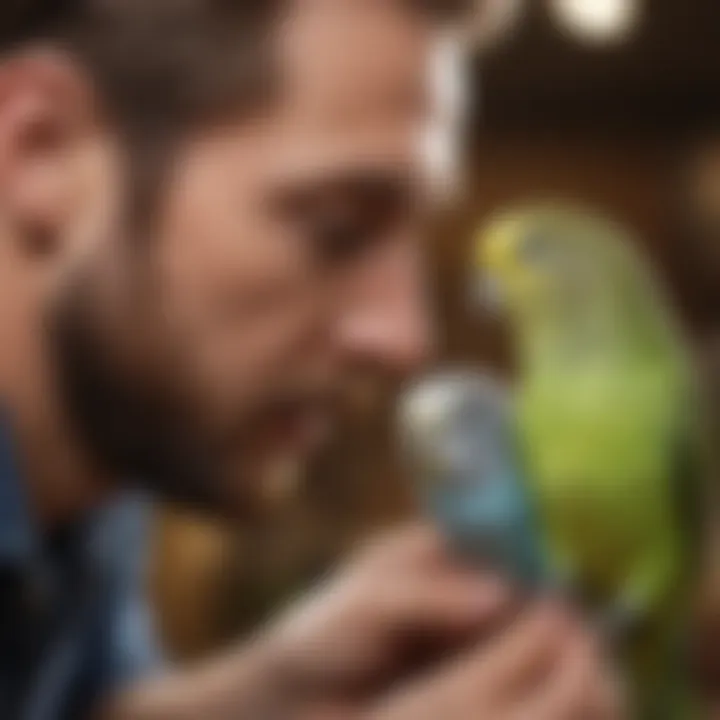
point(387, 319)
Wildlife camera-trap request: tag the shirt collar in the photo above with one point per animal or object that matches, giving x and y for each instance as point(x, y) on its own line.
point(18, 539)
point(117, 528)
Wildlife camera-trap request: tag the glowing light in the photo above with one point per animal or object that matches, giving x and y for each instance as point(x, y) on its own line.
point(599, 21)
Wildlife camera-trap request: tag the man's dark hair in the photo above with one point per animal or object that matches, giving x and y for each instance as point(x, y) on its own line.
point(156, 64)
point(160, 67)
point(165, 63)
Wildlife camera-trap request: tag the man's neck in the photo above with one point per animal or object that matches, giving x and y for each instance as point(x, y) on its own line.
point(61, 482)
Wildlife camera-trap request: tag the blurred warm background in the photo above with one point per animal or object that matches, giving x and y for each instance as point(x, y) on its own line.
point(611, 102)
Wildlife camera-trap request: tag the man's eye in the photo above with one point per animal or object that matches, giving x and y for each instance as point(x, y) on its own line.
point(341, 240)
point(344, 219)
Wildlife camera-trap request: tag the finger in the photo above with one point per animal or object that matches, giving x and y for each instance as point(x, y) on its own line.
point(571, 691)
point(528, 652)
point(454, 601)
point(416, 545)
point(605, 692)
point(484, 678)
point(607, 698)
point(481, 680)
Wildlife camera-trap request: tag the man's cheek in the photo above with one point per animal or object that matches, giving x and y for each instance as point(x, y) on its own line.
point(236, 377)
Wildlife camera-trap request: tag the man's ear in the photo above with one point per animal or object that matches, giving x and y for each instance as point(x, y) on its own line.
point(46, 110)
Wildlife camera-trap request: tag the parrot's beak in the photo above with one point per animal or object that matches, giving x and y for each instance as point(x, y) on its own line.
point(489, 294)
point(492, 257)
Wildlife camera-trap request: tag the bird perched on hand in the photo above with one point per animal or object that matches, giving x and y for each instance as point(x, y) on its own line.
point(610, 430)
point(456, 429)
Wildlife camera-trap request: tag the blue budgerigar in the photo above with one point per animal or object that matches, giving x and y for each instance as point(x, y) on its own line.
point(456, 431)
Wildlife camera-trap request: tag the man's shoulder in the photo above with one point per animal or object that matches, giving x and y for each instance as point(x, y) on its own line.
point(121, 535)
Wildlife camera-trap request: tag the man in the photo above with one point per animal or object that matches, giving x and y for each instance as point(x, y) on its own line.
point(209, 216)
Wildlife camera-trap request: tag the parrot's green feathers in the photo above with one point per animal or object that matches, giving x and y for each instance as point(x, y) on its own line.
point(572, 280)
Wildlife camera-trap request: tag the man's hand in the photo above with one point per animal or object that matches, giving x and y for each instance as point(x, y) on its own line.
point(544, 668)
point(404, 594)
point(403, 634)
point(398, 597)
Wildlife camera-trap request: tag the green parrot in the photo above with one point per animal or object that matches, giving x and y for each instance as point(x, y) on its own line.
point(611, 430)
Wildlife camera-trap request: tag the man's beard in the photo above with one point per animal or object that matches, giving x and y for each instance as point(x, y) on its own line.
point(135, 427)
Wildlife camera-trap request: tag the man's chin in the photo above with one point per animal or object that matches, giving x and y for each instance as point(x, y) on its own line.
point(258, 474)
point(298, 435)
point(264, 486)
point(282, 480)
point(274, 470)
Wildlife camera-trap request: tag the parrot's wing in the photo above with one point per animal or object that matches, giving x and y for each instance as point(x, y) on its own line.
point(696, 491)
point(689, 483)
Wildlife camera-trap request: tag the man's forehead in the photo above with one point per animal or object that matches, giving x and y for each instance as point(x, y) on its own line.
point(361, 87)
point(348, 61)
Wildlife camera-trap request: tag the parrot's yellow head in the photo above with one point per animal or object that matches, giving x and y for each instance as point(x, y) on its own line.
point(573, 285)
point(542, 257)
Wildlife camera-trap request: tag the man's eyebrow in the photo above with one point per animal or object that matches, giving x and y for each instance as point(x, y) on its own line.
point(364, 186)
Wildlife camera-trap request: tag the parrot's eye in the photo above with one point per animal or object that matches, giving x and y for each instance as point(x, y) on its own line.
point(535, 249)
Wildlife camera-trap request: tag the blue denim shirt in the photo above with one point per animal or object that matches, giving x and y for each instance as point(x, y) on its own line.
point(74, 624)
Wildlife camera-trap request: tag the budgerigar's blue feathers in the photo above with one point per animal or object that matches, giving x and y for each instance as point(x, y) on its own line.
point(458, 432)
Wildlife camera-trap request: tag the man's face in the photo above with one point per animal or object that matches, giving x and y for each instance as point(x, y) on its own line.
point(284, 261)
